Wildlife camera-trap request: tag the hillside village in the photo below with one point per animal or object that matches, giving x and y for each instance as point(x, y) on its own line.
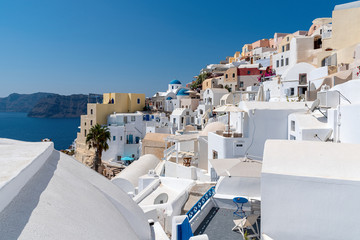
point(262, 145)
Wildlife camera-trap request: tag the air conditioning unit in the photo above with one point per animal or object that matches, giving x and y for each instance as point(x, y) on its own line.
point(328, 99)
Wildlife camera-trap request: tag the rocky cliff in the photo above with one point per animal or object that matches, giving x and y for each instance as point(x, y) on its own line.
point(45, 105)
point(21, 102)
point(58, 106)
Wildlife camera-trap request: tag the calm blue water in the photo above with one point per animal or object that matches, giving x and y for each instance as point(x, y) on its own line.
point(61, 131)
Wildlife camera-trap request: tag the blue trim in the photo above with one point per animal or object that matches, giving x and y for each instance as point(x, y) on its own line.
point(184, 231)
point(198, 205)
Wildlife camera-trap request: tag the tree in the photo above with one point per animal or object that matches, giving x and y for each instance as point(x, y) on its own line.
point(199, 80)
point(97, 139)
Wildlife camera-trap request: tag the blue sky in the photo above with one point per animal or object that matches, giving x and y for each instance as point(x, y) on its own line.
point(69, 46)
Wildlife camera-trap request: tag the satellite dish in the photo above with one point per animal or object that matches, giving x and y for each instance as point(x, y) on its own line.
point(315, 105)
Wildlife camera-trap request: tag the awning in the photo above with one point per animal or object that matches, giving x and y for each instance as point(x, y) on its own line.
point(127, 159)
point(182, 138)
point(240, 167)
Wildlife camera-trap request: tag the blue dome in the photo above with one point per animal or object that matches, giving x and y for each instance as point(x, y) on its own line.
point(175, 82)
point(182, 92)
point(168, 98)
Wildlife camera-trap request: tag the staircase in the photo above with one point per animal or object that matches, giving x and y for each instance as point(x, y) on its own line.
point(195, 194)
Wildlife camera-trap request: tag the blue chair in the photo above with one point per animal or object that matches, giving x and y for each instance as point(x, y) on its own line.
point(239, 202)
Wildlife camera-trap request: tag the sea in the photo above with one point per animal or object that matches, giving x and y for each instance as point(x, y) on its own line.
point(62, 131)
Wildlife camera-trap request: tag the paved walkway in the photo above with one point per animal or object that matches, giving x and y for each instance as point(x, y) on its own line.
point(218, 224)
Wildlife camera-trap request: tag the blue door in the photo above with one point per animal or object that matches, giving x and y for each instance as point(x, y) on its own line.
point(130, 139)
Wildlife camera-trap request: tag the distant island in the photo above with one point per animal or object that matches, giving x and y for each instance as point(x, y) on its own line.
point(45, 105)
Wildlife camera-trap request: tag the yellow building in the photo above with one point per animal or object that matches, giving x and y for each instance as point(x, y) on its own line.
point(246, 50)
point(236, 57)
point(98, 113)
point(345, 31)
point(285, 43)
point(211, 83)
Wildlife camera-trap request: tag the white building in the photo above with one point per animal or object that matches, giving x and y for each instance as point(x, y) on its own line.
point(182, 117)
point(250, 129)
point(128, 129)
point(334, 119)
point(310, 190)
point(212, 96)
point(295, 79)
point(160, 98)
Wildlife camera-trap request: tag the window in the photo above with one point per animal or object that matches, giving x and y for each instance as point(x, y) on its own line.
point(233, 75)
point(85, 132)
point(277, 63)
point(215, 154)
point(125, 119)
point(320, 31)
point(286, 61)
point(133, 118)
point(201, 111)
point(241, 84)
point(248, 72)
point(114, 138)
point(288, 47)
point(90, 122)
point(174, 120)
point(138, 101)
point(260, 72)
point(84, 123)
point(226, 76)
point(282, 62)
point(91, 111)
point(287, 39)
point(292, 125)
point(292, 91)
point(283, 48)
point(172, 87)
point(302, 79)
point(120, 138)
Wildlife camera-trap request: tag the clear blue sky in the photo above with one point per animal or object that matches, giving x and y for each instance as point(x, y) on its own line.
point(73, 46)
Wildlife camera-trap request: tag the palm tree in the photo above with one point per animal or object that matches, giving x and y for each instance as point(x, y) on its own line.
point(97, 139)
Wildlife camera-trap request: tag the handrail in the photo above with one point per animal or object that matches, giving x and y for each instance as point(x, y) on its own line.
point(200, 203)
point(342, 96)
point(169, 150)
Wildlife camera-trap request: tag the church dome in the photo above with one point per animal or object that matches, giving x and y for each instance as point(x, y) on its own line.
point(175, 82)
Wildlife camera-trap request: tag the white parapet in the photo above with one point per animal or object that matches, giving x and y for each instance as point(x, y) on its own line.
point(19, 161)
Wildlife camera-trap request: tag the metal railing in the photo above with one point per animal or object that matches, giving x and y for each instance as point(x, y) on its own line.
point(199, 204)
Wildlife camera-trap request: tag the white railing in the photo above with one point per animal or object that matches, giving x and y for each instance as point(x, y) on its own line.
point(169, 151)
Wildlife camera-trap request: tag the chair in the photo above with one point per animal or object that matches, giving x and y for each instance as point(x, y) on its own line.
point(255, 206)
point(239, 202)
point(247, 223)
